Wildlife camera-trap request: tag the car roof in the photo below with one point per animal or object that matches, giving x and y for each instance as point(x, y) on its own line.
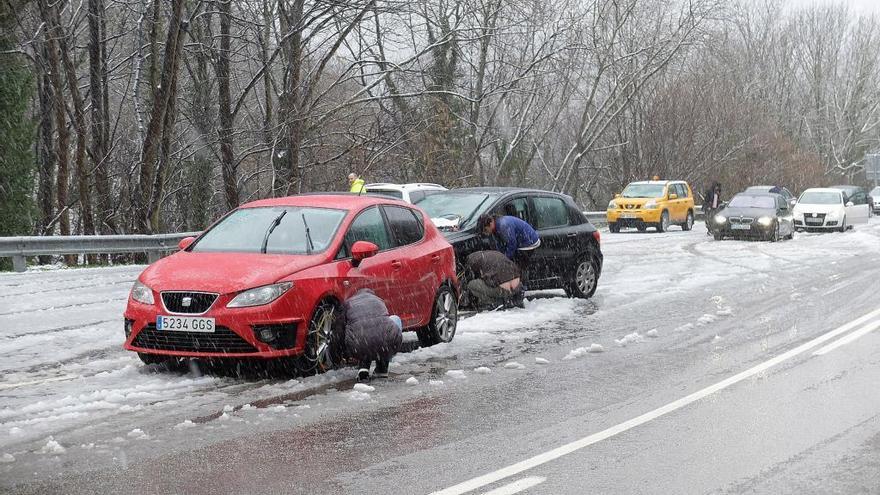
point(823, 189)
point(345, 201)
point(404, 187)
point(503, 191)
point(761, 187)
point(756, 193)
point(659, 182)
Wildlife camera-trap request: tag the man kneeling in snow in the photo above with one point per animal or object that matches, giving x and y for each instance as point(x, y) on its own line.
point(496, 280)
point(368, 333)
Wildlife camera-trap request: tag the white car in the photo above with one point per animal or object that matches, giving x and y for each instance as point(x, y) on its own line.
point(411, 193)
point(875, 198)
point(824, 209)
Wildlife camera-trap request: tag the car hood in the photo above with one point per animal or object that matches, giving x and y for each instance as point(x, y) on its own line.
point(622, 202)
point(801, 208)
point(223, 272)
point(748, 212)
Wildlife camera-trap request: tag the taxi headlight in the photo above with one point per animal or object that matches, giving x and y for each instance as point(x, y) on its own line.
point(612, 205)
point(651, 205)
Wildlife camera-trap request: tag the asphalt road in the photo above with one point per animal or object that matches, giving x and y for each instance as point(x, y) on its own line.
point(723, 371)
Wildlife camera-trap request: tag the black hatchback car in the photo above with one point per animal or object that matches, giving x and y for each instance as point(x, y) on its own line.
point(569, 256)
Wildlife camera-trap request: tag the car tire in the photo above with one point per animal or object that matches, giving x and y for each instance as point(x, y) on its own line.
point(444, 319)
point(663, 226)
point(585, 278)
point(318, 354)
point(774, 236)
point(642, 228)
point(613, 227)
point(843, 226)
point(689, 223)
point(717, 236)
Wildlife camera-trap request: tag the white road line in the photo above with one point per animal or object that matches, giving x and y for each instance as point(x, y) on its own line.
point(519, 467)
point(6, 386)
point(847, 339)
point(518, 486)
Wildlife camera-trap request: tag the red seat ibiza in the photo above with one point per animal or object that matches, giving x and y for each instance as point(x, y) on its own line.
point(266, 281)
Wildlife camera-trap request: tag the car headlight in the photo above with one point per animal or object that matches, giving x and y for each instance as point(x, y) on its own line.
point(612, 205)
point(720, 219)
point(651, 205)
point(260, 295)
point(765, 221)
point(141, 293)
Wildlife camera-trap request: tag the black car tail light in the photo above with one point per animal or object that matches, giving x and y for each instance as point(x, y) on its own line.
point(597, 236)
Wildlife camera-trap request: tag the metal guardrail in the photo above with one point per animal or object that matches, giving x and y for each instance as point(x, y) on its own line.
point(20, 248)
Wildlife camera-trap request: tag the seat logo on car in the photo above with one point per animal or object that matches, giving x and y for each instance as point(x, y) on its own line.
point(186, 302)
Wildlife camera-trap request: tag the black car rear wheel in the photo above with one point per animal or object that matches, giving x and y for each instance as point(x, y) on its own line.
point(584, 279)
point(444, 319)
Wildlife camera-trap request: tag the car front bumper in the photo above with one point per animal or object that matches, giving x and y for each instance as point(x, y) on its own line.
point(633, 217)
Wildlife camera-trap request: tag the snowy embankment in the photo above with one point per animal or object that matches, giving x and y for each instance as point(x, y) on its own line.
point(67, 384)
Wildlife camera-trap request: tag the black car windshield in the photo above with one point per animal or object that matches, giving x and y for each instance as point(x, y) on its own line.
point(244, 230)
point(747, 201)
point(820, 198)
point(643, 191)
point(457, 210)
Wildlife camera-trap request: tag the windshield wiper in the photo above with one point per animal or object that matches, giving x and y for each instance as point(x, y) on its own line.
point(309, 246)
point(271, 228)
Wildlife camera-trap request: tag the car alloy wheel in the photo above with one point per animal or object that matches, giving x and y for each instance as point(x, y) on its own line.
point(689, 223)
point(663, 226)
point(317, 357)
point(444, 319)
point(583, 284)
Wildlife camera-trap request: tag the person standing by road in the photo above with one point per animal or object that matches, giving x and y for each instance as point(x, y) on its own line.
point(517, 239)
point(356, 183)
point(711, 204)
point(496, 280)
point(368, 333)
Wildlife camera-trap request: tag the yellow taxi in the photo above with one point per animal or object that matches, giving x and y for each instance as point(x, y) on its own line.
point(654, 203)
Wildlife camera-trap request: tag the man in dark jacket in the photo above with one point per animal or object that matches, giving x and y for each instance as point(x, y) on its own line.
point(711, 204)
point(496, 280)
point(368, 333)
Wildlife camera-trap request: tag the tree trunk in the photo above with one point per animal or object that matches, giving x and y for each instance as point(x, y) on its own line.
point(99, 121)
point(45, 155)
point(224, 131)
point(287, 169)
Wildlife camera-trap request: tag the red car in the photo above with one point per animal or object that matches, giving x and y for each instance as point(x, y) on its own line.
point(266, 281)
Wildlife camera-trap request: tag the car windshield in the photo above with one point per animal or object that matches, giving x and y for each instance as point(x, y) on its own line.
point(820, 198)
point(452, 210)
point(244, 230)
point(643, 191)
point(756, 189)
point(390, 193)
point(746, 201)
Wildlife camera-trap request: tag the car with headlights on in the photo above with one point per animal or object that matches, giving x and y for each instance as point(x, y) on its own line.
point(267, 281)
point(822, 209)
point(757, 215)
point(655, 203)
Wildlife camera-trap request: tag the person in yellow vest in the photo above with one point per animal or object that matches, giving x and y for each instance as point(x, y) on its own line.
point(357, 184)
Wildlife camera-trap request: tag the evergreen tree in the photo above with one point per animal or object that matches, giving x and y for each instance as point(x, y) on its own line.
point(17, 164)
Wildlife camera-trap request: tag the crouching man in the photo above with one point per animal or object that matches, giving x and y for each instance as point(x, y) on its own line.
point(369, 333)
point(496, 280)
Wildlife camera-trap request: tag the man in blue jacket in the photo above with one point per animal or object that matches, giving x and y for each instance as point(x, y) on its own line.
point(517, 239)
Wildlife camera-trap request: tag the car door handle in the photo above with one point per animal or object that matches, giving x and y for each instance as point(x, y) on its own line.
point(571, 234)
point(396, 264)
point(435, 259)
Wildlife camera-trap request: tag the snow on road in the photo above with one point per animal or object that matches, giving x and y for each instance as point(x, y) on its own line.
point(67, 385)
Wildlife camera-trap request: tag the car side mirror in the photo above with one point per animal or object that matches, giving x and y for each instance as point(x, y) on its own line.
point(850, 203)
point(673, 196)
point(362, 250)
point(185, 243)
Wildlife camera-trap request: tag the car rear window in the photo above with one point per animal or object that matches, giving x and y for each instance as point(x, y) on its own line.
point(244, 230)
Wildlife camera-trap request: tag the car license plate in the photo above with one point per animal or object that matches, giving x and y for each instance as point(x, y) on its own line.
point(184, 324)
point(741, 226)
point(817, 221)
point(627, 215)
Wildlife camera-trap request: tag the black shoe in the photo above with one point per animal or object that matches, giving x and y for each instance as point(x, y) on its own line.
point(381, 370)
point(363, 375)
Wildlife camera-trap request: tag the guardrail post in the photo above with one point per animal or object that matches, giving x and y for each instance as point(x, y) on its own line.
point(153, 256)
point(19, 263)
